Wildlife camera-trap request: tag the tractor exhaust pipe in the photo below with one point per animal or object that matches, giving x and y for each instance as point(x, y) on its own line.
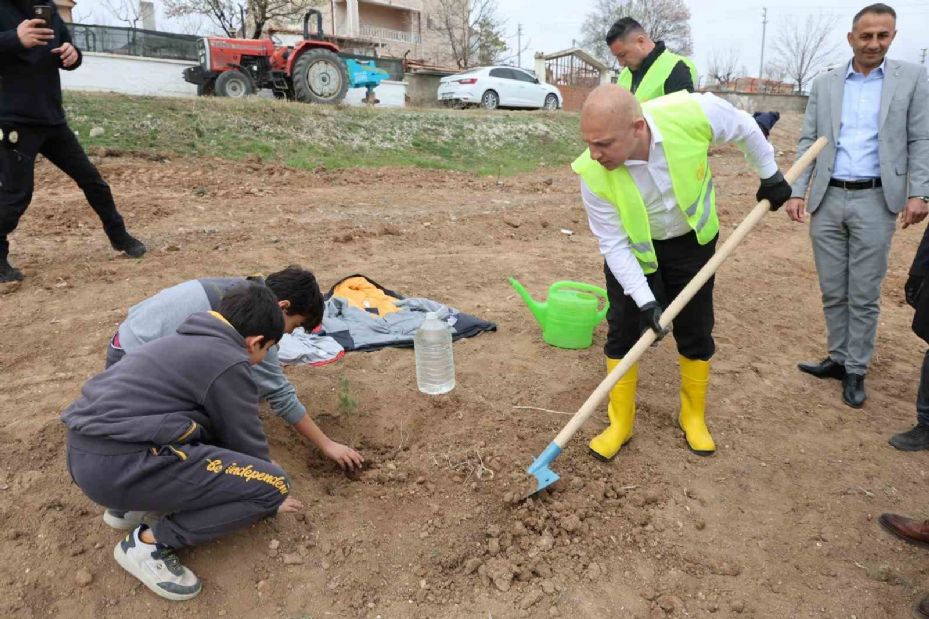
point(319, 24)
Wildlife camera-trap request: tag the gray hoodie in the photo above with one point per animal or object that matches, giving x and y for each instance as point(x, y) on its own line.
point(194, 386)
point(159, 315)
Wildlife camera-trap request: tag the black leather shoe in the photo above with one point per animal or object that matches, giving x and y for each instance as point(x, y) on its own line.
point(921, 610)
point(912, 440)
point(9, 273)
point(853, 390)
point(827, 368)
point(128, 244)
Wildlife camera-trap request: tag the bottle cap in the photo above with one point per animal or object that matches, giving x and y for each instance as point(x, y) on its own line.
point(432, 315)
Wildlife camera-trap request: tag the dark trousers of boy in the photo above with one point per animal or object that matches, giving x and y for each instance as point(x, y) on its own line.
point(204, 492)
point(57, 143)
point(679, 259)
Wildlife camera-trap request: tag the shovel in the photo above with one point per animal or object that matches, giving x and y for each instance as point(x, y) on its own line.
point(541, 467)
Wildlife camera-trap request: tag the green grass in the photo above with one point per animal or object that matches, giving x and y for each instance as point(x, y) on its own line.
point(310, 136)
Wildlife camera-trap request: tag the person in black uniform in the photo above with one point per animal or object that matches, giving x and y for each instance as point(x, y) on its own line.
point(32, 122)
point(917, 438)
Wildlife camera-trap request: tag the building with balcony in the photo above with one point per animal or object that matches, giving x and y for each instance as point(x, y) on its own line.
point(398, 28)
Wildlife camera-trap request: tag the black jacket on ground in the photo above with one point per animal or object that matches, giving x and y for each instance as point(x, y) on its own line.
point(191, 387)
point(30, 88)
point(679, 78)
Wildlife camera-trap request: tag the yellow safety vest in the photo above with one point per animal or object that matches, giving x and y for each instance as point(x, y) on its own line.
point(652, 85)
point(686, 136)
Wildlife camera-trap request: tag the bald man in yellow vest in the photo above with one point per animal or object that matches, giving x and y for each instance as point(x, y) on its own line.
point(651, 202)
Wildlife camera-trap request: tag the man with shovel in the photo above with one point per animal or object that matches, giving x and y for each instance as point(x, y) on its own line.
point(651, 203)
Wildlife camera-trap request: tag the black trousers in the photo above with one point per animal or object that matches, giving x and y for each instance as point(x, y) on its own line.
point(60, 146)
point(679, 259)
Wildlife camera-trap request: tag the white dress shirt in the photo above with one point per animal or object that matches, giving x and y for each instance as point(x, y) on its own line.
point(653, 181)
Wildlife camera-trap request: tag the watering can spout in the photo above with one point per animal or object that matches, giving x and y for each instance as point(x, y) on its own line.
point(538, 309)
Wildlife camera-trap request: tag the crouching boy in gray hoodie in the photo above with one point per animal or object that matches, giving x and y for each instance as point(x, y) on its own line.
point(173, 428)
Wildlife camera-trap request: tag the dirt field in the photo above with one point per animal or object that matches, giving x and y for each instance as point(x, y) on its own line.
point(781, 522)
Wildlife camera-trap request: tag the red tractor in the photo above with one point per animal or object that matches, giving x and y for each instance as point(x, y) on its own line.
point(311, 71)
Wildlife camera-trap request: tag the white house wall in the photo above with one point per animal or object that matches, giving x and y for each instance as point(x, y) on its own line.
point(132, 75)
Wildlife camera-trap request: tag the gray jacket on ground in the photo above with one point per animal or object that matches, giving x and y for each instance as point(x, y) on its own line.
point(191, 387)
point(160, 315)
point(903, 134)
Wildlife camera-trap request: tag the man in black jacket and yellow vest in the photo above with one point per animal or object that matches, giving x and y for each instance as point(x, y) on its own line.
point(32, 123)
point(649, 69)
point(651, 202)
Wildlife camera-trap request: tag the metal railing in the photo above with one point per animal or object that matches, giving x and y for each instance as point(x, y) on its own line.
point(134, 42)
point(387, 34)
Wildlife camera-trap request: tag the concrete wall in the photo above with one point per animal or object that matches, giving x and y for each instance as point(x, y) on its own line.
point(130, 75)
point(389, 93)
point(421, 89)
point(756, 102)
point(133, 75)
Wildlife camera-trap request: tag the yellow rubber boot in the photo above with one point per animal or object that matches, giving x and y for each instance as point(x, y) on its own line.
point(695, 377)
point(621, 411)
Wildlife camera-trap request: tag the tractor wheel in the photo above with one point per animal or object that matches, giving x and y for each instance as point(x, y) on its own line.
point(320, 77)
point(207, 89)
point(234, 84)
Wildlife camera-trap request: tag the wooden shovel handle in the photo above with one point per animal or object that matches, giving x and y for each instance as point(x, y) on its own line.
point(669, 314)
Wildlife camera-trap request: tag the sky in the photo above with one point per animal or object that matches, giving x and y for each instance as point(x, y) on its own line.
point(722, 24)
point(716, 26)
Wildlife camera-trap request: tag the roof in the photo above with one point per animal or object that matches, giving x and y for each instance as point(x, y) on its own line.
point(583, 54)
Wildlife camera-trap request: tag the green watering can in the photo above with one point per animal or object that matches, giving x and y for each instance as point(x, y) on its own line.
point(569, 315)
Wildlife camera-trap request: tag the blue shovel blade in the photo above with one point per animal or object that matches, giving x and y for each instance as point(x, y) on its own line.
point(540, 469)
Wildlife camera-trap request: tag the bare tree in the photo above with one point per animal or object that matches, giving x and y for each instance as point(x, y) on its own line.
point(240, 17)
point(663, 20)
point(803, 48)
point(261, 13)
point(126, 11)
point(189, 25)
point(514, 48)
point(226, 15)
point(473, 30)
point(774, 74)
point(725, 67)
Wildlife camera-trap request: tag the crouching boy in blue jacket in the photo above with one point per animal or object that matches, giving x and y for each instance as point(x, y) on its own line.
point(173, 428)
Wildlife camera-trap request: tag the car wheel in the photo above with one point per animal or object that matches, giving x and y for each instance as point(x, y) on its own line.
point(551, 103)
point(490, 100)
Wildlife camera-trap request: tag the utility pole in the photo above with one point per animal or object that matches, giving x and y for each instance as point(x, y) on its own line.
point(764, 28)
point(922, 59)
point(519, 46)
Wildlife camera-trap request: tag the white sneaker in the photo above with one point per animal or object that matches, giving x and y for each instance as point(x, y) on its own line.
point(126, 521)
point(159, 569)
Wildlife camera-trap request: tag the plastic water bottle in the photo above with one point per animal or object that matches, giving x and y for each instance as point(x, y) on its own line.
point(435, 360)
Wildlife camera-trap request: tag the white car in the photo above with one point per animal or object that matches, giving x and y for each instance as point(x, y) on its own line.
point(493, 87)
